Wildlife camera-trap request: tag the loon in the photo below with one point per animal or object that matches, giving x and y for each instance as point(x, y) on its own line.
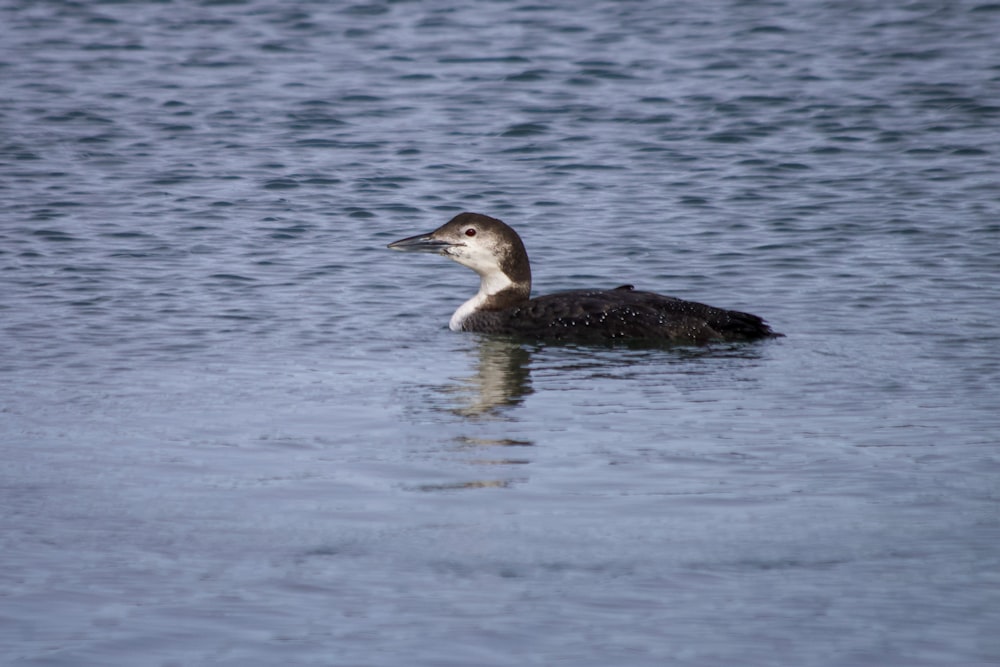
point(504, 306)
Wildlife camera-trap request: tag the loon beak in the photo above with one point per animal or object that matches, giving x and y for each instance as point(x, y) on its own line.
point(420, 243)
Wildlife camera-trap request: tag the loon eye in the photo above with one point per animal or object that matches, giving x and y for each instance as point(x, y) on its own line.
point(470, 232)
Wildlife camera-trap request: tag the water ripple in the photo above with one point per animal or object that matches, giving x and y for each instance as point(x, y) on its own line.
point(210, 358)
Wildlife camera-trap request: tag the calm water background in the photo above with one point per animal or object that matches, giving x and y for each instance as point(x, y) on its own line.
point(236, 430)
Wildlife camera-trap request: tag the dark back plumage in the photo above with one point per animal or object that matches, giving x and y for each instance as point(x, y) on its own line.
point(622, 314)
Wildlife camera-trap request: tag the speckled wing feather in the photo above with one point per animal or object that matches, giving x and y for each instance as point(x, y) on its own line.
point(620, 314)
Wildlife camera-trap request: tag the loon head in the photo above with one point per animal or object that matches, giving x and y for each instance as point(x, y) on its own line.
point(487, 246)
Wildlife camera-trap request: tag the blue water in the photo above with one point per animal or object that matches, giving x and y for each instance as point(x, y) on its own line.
point(236, 430)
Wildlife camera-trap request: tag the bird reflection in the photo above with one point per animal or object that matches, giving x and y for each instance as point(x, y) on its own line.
point(462, 486)
point(502, 379)
point(498, 379)
point(484, 445)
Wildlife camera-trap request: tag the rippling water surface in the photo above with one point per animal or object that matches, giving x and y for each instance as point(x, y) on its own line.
point(236, 430)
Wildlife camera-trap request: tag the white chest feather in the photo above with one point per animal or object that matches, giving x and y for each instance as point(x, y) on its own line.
point(491, 283)
point(466, 309)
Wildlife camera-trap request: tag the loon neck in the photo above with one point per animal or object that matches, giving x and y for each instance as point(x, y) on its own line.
point(496, 292)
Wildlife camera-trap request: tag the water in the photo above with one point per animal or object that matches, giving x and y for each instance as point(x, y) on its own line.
point(236, 430)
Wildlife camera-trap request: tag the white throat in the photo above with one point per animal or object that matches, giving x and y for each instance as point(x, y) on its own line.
point(491, 283)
